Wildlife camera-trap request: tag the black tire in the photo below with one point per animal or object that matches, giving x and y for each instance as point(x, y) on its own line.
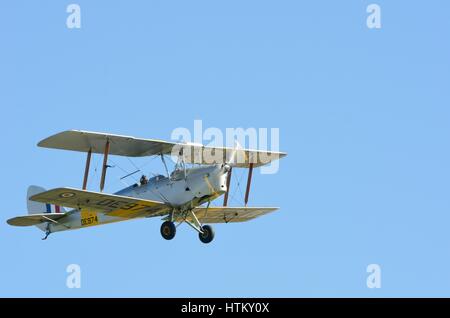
point(208, 234)
point(168, 230)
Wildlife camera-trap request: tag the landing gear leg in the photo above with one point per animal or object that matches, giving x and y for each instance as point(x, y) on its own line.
point(205, 232)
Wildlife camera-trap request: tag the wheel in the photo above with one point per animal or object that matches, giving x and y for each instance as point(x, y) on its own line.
point(208, 234)
point(168, 230)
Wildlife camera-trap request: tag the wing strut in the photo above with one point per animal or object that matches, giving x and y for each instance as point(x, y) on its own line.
point(165, 165)
point(249, 181)
point(86, 170)
point(225, 199)
point(105, 166)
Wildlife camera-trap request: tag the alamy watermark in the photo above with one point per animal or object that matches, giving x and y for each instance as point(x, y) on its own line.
point(374, 19)
point(73, 280)
point(73, 20)
point(209, 145)
point(374, 278)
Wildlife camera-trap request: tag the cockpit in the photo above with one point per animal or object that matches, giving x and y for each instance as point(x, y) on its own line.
point(157, 178)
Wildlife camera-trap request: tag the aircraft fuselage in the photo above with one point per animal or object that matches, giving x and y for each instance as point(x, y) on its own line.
point(183, 189)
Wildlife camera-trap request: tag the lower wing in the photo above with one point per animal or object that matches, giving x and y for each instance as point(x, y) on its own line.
point(230, 214)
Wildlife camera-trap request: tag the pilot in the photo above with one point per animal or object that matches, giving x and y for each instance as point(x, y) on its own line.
point(143, 180)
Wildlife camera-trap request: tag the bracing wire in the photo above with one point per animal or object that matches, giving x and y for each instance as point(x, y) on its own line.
point(125, 171)
point(95, 176)
point(237, 188)
point(134, 165)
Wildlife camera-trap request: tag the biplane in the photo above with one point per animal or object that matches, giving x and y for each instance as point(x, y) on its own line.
point(201, 174)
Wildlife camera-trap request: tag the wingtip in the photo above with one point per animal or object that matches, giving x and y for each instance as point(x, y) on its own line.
point(43, 142)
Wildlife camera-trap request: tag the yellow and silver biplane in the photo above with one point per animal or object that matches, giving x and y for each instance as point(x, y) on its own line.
point(178, 197)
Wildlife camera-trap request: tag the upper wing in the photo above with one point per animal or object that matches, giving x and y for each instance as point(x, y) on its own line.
point(34, 219)
point(110, 204)
point(78, 140)
point(84, 141)
point(230, 214)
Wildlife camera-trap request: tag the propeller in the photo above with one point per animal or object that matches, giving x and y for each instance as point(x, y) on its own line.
point(231, 162)
point(227, 168)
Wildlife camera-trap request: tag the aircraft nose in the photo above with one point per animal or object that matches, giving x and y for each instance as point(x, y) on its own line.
point(209, 181)
point(217, 181)
point(222, 182)
point(226, 168)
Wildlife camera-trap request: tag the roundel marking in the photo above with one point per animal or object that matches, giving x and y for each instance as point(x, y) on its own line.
point(67, 195)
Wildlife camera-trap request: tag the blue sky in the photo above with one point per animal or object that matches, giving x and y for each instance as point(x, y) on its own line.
point(363, 113)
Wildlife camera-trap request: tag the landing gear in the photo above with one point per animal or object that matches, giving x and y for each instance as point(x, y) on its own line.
point(207, 234)
point(168, 230)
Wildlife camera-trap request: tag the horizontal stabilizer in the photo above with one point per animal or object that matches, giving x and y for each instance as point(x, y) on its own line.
point(35, 219)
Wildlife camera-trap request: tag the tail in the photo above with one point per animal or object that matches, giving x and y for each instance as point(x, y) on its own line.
point(37, 207)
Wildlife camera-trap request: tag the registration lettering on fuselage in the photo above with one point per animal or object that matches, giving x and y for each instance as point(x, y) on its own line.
point(88, 218)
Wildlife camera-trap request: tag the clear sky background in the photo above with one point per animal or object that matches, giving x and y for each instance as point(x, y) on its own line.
point(363, 114)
